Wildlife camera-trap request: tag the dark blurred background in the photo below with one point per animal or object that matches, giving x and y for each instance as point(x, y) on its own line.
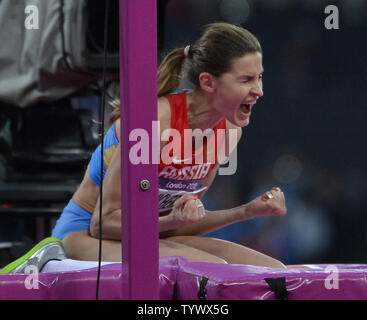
point(306, 135)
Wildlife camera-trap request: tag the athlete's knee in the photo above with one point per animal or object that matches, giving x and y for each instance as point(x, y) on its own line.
point(278, 264)
point(72, 243)
point(215, 259)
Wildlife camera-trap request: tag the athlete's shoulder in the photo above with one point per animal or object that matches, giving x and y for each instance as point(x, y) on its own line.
point(117, 128)
point(163, 105)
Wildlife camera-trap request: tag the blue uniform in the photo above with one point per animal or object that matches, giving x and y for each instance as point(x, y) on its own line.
point(74, 218)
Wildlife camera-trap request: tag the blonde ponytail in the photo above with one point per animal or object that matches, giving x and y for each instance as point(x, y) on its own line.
point(115, 113)
point(171, 71)
point(170, 74)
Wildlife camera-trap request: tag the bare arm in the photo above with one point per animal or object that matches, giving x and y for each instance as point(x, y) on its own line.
point(187, 216)
point(265, 205)
point(214, 220)
point(185, 210)
point(111, 200)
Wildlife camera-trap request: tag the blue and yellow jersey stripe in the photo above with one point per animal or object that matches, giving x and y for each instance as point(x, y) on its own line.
point(110, 144)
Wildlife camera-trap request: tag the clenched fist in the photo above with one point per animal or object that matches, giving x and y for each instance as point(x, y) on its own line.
point(271, 203)
point(186, 210)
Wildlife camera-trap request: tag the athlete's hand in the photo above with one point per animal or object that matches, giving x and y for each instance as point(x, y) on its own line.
point(271, 203)
point(187, 209)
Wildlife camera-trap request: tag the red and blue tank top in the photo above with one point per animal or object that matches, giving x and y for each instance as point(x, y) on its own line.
point(185, 163)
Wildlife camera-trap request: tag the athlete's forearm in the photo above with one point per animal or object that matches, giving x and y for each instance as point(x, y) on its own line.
point(212, 221)
point(111, 225)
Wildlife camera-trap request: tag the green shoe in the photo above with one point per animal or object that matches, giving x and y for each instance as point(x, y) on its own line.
point(48, 249)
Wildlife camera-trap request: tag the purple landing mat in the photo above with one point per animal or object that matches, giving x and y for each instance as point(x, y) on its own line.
point(180, 279)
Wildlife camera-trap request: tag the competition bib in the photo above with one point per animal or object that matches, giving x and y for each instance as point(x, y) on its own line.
point(172, 189)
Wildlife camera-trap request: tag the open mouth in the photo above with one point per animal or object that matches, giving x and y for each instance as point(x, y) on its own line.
point(245, 107)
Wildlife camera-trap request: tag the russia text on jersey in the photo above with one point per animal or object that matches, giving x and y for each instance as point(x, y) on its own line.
point(197, 172)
